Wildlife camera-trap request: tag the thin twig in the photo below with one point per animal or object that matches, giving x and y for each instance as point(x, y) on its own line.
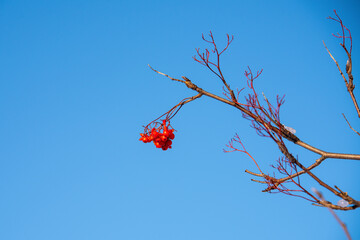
point(337, 64)
point(255, 174)
point(351, 126)
point(174, 79)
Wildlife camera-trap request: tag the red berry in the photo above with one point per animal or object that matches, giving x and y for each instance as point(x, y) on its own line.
point(163, 138)
point(168, 142)
point(154, 133)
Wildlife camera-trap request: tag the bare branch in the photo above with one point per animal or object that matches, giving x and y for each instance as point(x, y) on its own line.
point(265, 119)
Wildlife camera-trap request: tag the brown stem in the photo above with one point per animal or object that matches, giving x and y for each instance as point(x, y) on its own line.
point(328, 154)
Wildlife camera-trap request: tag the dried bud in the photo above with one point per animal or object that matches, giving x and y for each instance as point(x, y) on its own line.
point(348, 67)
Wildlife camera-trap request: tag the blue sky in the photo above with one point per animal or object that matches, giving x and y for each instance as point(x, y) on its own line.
point(75, 90)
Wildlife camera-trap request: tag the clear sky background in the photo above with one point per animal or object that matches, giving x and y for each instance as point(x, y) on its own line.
point(75, 91)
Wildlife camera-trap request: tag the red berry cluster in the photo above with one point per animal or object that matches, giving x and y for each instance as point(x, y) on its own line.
point(161, 140)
